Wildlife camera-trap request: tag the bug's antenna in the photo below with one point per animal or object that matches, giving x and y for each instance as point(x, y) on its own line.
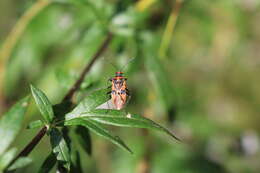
point(126, 64)
point(112, 64)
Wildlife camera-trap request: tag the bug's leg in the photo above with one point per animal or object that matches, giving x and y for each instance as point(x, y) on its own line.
point(109, 80)
point(127, 92)
point(109, 83)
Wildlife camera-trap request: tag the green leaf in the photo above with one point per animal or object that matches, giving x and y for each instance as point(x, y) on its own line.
point(75, 159)
point(92, 101)
point(6, 158)
point(60, 148)
point(35, 124)
point(120, 118)
point(84, 138)
point(11, 123)
point(48, 163)
point(99, 130)
point(43, 104)
point(21, 162)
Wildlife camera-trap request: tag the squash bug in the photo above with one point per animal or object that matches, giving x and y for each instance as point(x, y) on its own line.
point(119, 93)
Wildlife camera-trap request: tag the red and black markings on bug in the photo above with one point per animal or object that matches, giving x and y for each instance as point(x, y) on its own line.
point(119, 92)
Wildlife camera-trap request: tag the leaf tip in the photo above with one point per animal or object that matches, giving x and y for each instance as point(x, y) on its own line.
point(131, 152)
point(175, 137)
point(31, 86)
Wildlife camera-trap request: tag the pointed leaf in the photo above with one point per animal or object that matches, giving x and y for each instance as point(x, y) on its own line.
point(76, 165)
point(84, 138)
point(90, 102)
point(35, 124)
point(21, 162)
point(6, 158)
point(120, 118)
point(60, 148)
point(65, 133)
point(43, 104)
point(11, 122)
point(99, 130)
point(48, 163)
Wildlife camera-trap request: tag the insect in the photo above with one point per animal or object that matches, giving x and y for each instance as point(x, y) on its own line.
point(119, 93)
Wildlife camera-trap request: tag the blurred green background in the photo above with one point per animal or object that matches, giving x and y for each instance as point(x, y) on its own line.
point(199, 78)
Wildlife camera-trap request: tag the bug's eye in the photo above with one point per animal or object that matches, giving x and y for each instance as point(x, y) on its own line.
point(123, 92)
point(113, 92)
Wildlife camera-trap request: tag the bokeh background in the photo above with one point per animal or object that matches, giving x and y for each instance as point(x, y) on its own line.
point(196, 71)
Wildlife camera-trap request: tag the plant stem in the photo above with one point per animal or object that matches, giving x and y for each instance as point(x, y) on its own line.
point(77, 84)
point(29, 147)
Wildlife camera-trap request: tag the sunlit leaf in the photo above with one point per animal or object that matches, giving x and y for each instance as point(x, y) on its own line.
point(21, 162)
point(35, 124)
point(120, 118)
point(90, 102)
point(43, 104)
point(60, 148)
point(48, 163)
point(84, 138)
point(11, 122)
point(99, 130)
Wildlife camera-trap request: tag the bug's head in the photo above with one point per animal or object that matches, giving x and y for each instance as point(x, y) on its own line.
point(119, 74)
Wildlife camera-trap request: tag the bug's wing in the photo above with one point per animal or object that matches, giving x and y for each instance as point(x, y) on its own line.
point(107, 105)
point(119, 101)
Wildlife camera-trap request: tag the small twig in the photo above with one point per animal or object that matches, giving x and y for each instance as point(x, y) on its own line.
point(77, 84)
point(29, 147)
